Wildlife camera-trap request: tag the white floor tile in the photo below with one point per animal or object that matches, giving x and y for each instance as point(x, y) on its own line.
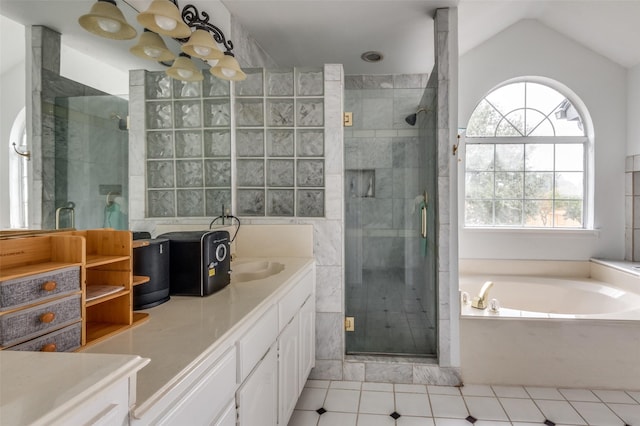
point(635, 395)
point(448, 406)
point(627, 412)
point(311, 399)
point(491, 423)
point(415, 421)
point(597, 414)
point(303, 418)
point(544, 393)
point(485, 408)
point(337, 419)
point(451, 422)
point(375, 420)
point(560, 412)
point(342, 400)
point(526, 424)
point(382, 387)
point(579, 395)
point(443, 390)
point(616, 397)
point(413, 404)
point(521, 410)
point(410, 388)
point(339, 384)
point(322, 384)
point(510, 391)
point(372, 402)
point(477, 390)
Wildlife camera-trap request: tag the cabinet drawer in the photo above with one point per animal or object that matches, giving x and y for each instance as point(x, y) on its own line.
point(28, 323)
point(64, 340)
point(34, 288)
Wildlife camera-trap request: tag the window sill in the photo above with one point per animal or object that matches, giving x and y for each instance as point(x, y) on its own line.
point(555, 232)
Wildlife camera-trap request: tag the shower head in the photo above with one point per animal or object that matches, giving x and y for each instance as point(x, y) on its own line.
point(412, 118)
point(123, 123)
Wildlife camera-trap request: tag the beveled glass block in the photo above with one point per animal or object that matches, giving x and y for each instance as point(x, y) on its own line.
point(187, 114)
point(213, 86)
point(159, 174)
point(188, 144)
point(280, 143)
point(249, 143)
point(249, 112)
point(190, 202)
point(188, 173)
point(280, 173)
point(310, 112)
point(280, 202)
point(216, 112)
point(250, 172)
point(280, 82)
point(310, 173)
point(159, 115)
point(310, 82)
point(159, 145)
point(250, 202)
point(217, 173)
point(161, 203)
point(217, 143)
point(252, 86)
point(158, 85)
point(217, 201)
point(186, 89)
point(280, 112)
point(310, 143)
point(310, 203)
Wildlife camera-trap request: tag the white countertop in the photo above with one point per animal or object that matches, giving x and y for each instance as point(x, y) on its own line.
point(179, 331)
point(38, 387)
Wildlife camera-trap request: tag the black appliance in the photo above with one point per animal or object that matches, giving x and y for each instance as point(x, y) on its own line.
point(200, 262)
point(151, 260)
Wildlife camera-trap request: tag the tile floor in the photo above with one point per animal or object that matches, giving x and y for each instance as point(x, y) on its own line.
point(345, 403)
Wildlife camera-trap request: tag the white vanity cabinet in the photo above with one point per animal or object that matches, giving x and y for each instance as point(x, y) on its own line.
point(257, 398)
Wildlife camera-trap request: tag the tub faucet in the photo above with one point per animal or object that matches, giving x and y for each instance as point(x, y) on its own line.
point(480, 301)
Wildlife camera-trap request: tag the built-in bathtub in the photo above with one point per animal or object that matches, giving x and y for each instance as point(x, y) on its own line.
point(560, 324)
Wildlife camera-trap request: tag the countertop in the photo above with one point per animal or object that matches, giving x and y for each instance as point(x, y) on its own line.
point(179, 331)
point(37, 387)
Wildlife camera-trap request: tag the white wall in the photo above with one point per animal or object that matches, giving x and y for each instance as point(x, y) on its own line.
point(528, 48)
point(92, 72)
point(633, 110)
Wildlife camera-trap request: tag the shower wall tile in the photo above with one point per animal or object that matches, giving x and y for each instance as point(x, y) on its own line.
point(187, 114)
point(217, 143)
point(375, 113)
point(217, 113)
point(310, 203)
point(217, 201)
point(159, 145)
point(353, 371)
point(403, 152)
point(159, 115)
point(249, 112)
point(190, 202)
point(280, 173)
point(158, 85)
point(161, 203)
point(250, 202)
point(187, 89)
point(280, 82)
point(310, 82)
point(377, 82)
point(160, 174)
point(280, 143)
point(217, 173)
point(250, 143)
point(310, 173)
point(280, 202)
point(188, 144)
point(328, 289)
point(189, 173)
point(409, 81)
point(310, 113)
point(329, 335)
point(280, 112)
point(327, 370)
point(334, 196)
point(388, 372)
point(250, 172)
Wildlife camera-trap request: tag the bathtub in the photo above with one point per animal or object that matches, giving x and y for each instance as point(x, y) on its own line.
point(577, 330)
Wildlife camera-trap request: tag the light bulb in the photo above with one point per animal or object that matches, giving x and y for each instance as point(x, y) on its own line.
point(185, 73)
point(151, 51)
point(213, 62)
point(165, 23)
point(109, 25)
point(228, 72)
point(202, 50)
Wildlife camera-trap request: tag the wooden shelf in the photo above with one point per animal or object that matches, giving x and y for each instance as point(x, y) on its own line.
point(26, 270)
point(94, 260)
point(119, 291)
point(140, 279)
point(139, 243)
point(98, 331)
point(139, 318)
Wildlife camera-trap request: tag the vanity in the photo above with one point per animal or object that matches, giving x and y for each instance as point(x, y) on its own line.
point(240, 356)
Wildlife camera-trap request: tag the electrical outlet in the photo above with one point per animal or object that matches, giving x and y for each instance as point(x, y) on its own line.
point(349, 324)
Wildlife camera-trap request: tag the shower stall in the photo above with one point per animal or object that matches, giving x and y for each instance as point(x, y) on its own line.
point(390, 213)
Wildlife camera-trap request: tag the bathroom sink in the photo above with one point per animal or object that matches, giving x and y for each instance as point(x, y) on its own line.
point(257, 270)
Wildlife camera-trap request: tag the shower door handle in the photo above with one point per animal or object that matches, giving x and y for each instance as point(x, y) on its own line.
point(423, 221)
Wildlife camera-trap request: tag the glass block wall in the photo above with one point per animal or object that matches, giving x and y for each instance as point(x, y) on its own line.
point(280, 143)
point(277, 157)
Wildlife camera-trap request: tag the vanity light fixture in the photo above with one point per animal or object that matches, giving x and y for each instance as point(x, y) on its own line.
point(106, 20)
point(198, 38)
point(151, 46)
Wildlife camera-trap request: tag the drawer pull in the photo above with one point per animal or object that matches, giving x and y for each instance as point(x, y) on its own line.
point(50, 347)
point(49, 286)
point(47, 317)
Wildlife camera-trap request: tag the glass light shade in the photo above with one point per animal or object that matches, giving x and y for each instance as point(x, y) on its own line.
point(106, 20)
point(228, 68)
point(163, 17)
point(185, 70)
point(202, 45)
point(151, 46)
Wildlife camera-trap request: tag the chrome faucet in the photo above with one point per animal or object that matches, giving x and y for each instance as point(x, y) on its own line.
point(69, 208)
point(480, 301)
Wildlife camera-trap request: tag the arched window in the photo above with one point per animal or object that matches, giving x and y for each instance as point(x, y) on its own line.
point(526, 160)
point(18, 173)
